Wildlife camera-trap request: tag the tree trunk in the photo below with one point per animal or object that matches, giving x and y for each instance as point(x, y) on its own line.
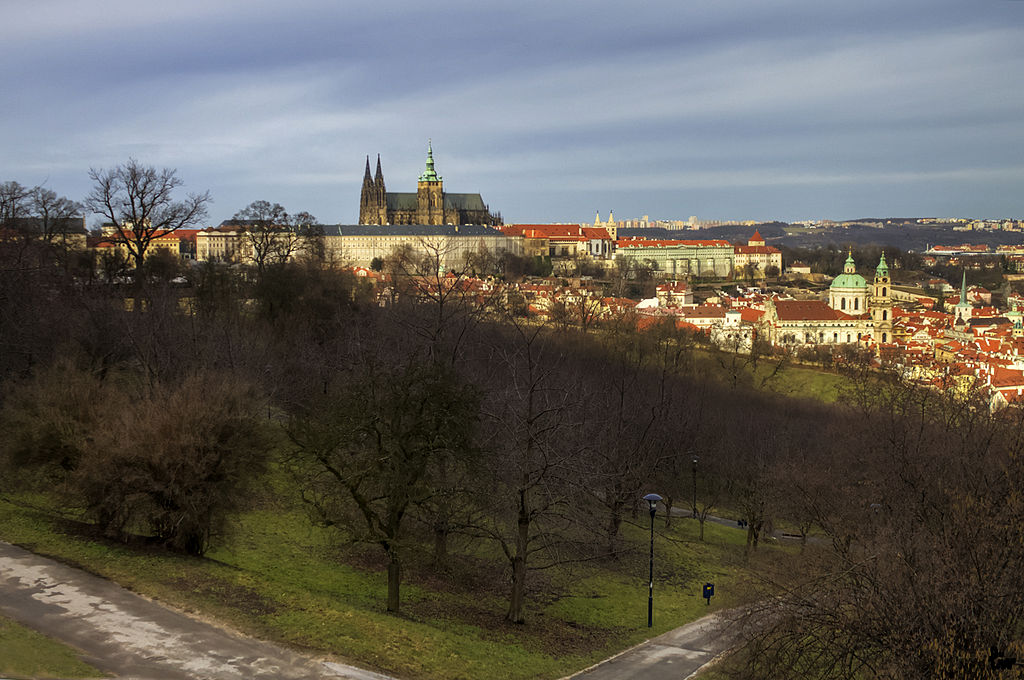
point(614, 525)
point(394, 582)
point(518, 598)
point(702, 520)
point(668, 512)
point(441, 532)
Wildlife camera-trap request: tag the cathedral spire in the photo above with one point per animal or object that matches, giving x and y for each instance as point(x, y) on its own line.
point(963, 289)
point(378, 181)
point(366, 175)
point(430, 175)
point(380, 175)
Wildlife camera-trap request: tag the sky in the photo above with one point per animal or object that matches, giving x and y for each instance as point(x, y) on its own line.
point(552, 110)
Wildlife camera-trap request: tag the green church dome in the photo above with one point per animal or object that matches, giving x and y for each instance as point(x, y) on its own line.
point(849, 278)
point(849, 281)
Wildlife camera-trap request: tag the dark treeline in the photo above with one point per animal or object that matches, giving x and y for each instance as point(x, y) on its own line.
point(439, 419)
point(444, 420)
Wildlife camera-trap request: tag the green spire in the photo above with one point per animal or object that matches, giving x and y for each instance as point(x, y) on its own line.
point(883, 268)
point(430, 175)
point(850, 267)
point(963, 290)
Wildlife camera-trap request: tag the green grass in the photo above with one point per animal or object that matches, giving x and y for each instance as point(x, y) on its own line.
point(804, 382)
point(792, 380)
point(25, 653)
point(279, 577)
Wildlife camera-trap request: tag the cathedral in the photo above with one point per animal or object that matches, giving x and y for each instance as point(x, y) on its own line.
point(430, 205)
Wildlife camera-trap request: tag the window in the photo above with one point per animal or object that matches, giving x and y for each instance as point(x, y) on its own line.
point(842, 304)
point(856, 304)
point(885, 315)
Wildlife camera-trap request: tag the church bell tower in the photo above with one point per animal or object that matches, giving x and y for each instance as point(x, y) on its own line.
point(430, 193)
point(881, 304)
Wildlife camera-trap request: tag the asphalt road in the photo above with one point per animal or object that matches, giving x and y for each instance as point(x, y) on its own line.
point(128, 636)
point(674, 655)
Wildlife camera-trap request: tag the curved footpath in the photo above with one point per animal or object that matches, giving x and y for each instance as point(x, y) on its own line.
point(128, 636)
point(675, 655)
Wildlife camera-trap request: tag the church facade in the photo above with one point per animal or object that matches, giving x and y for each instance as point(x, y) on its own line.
point(430, 205)
point(856, 312)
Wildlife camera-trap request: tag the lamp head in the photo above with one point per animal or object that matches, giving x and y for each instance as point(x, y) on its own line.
point(652, 500)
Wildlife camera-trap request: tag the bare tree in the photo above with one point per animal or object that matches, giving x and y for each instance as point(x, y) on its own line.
point(529, 415)
point(57, 215)
point(139, 202)
point(14, 202)
point(274, 236)
point(364, 457)
point(917, 574)
point(435, 303)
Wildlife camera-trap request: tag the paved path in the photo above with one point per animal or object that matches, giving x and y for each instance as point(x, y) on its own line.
point(675, 655)
point(129, 636)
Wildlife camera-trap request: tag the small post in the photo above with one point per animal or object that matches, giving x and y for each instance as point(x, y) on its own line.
point(652, 501)
point(695, 487)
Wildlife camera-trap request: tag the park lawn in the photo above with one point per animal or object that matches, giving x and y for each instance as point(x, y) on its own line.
point(25, 653)
point(280, 577)
point(792, 380)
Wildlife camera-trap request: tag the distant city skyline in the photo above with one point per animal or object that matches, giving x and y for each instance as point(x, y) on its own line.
point(790, 110)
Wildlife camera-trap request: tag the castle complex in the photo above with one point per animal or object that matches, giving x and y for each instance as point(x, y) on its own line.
point(430, 205)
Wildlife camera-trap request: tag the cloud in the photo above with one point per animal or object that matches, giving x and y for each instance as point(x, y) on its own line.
point(651, 102)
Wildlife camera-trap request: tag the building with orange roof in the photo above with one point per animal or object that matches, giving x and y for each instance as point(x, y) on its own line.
point(674, 294)
point(181, 243)
point(681, 258)
point(758, 256)
point(812, 322)
point(562, 240)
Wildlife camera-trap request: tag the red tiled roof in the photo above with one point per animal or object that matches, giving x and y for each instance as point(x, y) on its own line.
point(751, 315)
point(807, 310)
point(560, 232)
point(1004, 377)
point(652, 243)
point(705, 312)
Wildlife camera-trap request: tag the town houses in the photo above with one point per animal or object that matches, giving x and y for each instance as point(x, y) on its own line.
point(970, 342)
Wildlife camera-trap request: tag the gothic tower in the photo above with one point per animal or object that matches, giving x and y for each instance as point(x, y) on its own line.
point(381, 196)
point(881, 304)
point(430, 193)
point(368, 198)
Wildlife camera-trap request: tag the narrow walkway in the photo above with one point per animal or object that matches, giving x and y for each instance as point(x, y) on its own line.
point(675, 655)
point(128, 636)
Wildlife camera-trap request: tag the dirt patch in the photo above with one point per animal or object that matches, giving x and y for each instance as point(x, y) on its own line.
point(229, 595)
point(551, 636)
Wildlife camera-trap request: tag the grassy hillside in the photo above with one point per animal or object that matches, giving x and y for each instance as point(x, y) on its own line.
point(280, 577)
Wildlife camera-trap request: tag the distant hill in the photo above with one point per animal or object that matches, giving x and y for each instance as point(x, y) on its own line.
point(731, 233)
point(905, 236)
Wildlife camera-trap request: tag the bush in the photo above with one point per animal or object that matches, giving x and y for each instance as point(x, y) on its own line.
point(168, 460)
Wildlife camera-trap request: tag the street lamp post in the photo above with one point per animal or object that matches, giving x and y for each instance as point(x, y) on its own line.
point(652, 500)
point(694, 506)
